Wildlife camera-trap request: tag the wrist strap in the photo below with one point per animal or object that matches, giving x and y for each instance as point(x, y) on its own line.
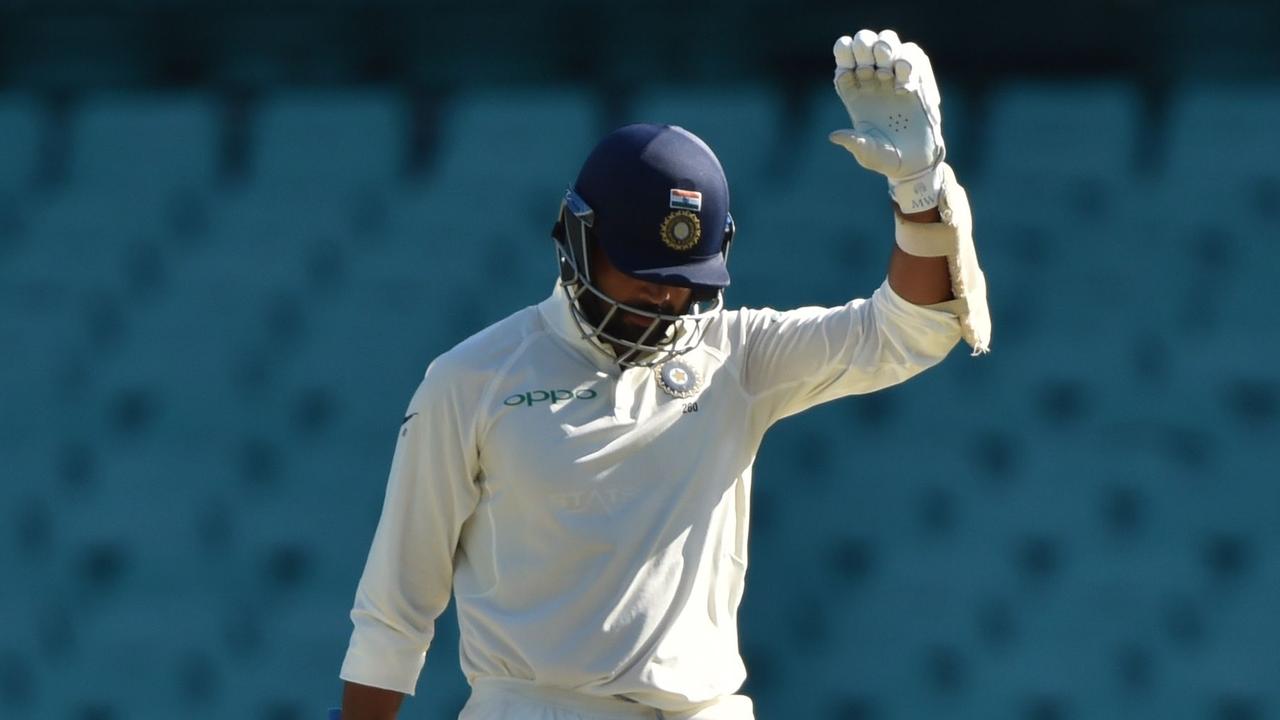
point(919, 192)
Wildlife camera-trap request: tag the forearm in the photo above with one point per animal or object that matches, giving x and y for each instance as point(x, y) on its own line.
point(362, 702)
point(920, 280)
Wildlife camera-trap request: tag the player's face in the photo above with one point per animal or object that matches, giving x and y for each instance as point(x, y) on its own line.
point(636, 293)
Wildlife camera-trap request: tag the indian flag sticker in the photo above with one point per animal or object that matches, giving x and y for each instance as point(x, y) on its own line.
point(686, 199)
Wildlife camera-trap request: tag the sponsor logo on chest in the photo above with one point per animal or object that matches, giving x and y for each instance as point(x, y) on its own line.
point(529, 398)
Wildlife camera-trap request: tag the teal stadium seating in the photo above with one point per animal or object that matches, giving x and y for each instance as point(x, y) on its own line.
point(21, 123)
point(205, 357)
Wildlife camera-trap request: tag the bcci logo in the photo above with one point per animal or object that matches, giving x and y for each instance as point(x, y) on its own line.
point(681, 230)
point(678, 378)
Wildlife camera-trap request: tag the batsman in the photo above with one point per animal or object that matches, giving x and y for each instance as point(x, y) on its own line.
point(578, 475)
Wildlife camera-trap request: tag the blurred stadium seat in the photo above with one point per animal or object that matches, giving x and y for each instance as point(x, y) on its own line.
point(525, 140)
point(307, 142)
point(483, 218)
point(163, 647)
point(1222, 143)
point(1059, 207)
point(1042, 129)
point(1226, 191)
point(144, 144)
point(507, 157)
point(1061, 154)
point(21, 127)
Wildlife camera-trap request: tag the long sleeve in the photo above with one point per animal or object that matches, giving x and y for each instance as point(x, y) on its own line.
point(407, 579)
point(800, 358)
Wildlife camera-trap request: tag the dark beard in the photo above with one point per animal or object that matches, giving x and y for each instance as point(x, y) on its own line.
point(595, 309)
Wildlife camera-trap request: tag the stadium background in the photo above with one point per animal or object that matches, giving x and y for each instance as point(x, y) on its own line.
point(233, 234)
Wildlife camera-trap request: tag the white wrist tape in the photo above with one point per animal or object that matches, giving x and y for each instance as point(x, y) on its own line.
point(953, 239)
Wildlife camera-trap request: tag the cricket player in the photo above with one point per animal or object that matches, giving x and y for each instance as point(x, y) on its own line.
point(579, 473)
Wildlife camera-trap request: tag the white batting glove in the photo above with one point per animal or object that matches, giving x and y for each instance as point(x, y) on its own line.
point(888, 88)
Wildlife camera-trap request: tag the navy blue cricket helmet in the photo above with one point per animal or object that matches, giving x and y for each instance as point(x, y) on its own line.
point(655, 200)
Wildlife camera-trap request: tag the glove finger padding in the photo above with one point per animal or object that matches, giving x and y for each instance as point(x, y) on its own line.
point(902, 72)
point(844, 53)
point(925, 84)
point(893, 101)
point(862, 53)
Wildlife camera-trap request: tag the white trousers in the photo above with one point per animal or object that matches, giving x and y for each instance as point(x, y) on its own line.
point(511, 699)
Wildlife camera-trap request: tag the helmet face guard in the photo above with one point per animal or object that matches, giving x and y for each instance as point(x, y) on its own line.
point(666, 336)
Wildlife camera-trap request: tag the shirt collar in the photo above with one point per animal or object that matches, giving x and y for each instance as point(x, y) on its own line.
point(558, 316)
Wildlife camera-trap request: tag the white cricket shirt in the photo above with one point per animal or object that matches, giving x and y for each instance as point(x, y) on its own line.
point(592, 526)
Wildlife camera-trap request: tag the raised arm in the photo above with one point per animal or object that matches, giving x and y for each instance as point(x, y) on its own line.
point(935, 293)
point(893, 101)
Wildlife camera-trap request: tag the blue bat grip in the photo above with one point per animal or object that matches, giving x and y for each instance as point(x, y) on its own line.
point(335, 713)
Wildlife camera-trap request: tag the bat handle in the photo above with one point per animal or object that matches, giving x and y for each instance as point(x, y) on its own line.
point(335, 713)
